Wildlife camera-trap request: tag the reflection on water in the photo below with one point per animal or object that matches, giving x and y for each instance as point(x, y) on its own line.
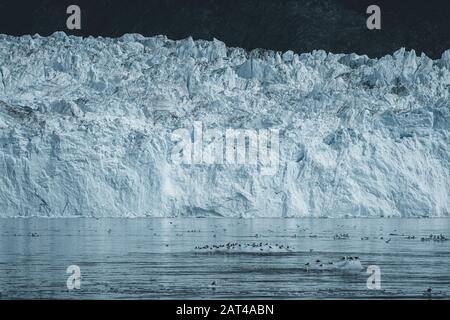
point(155, 258)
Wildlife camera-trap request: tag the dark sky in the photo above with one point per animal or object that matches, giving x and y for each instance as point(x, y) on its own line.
point(300, 25)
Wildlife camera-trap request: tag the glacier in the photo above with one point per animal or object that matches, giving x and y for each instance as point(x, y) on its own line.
point(85, 126)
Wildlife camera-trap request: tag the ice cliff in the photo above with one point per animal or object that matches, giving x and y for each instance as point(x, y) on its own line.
point(86, 123)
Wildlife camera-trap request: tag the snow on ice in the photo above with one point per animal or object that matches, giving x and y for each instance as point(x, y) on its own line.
point(86, 123)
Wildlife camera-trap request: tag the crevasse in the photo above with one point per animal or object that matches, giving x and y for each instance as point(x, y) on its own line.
point(85, 127)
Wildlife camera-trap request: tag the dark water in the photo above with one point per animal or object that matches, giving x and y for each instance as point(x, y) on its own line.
point(300, 25)
point(154, 258)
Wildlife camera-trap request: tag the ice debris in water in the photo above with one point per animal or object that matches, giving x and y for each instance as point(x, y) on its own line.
point(341, 236)
point(344, 264)
point(85, 127)
point(230, 247)
point(435, 238)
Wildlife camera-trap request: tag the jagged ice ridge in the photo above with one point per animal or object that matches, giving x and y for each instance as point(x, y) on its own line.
point(85, 127)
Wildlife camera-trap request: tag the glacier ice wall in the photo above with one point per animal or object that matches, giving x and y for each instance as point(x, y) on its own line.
point(85, 129)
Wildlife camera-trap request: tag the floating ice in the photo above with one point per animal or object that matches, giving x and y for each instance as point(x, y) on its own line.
point(344, 264)
point(253, 247)
point(85, 129)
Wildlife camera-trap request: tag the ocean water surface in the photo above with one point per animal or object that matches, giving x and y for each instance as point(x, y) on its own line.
point(156, 258)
